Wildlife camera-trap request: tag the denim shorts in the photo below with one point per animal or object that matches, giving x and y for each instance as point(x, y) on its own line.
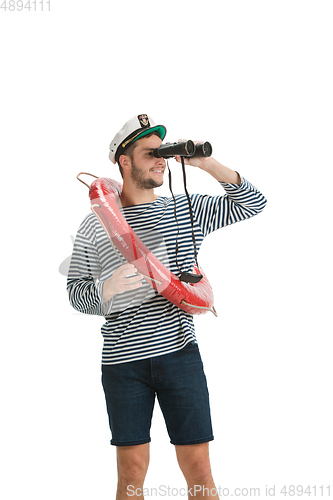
point(178, 381)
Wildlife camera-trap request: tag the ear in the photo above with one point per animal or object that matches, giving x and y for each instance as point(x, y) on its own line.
point(125, 161)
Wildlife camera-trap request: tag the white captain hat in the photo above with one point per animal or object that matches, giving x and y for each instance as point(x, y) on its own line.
point(134, 129)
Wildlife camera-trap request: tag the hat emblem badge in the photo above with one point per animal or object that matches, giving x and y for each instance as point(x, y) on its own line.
point(143, 120)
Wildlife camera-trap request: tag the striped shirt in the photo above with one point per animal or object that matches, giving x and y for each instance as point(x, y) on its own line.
point(142, 323)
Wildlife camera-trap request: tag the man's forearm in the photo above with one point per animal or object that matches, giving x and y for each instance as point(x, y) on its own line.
point(220, 172)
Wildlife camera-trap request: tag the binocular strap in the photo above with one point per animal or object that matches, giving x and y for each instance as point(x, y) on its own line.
point(183, 275)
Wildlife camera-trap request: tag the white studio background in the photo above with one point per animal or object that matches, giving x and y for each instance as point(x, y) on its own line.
point(255, 79)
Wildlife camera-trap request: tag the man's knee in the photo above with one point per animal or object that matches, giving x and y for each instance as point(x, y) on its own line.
point(132, 463)
point(195, 463)
point(199, 472)
point(132, 472)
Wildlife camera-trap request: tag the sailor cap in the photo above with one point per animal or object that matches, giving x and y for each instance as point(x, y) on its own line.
point(136, 128)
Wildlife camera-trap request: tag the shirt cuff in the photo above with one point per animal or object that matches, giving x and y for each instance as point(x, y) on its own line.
point(107, 306)
point(244, 186)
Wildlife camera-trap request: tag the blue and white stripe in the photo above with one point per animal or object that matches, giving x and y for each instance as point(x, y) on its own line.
point(142, 323)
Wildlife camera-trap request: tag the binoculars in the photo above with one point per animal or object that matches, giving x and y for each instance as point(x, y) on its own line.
point(186, 148)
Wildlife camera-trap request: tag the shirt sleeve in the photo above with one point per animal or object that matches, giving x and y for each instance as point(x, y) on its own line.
point(85, 290)
point(239, 203)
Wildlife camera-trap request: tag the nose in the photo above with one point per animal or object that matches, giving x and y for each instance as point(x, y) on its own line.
point(160, 162)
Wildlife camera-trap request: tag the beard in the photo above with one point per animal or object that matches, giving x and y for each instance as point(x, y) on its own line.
point(141, 181)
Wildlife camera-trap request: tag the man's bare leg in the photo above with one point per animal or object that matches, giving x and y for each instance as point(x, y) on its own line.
point(194, 463)
point(132, 465)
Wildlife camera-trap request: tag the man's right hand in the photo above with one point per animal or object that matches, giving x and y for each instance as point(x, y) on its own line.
point(120, 282)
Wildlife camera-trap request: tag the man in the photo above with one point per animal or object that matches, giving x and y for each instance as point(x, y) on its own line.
point(150, 349)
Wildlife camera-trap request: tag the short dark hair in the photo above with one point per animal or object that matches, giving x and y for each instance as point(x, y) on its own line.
point(130, 150)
